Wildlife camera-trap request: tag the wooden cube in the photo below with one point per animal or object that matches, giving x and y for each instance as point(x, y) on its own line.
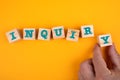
point(44, 34)
point(29, 34)
point(87, 31)
point(13, 35)
point(104, 40)
point(73, 35)
point(58, 32)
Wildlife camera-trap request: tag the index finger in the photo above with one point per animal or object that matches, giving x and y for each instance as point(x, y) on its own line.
point(99, 63)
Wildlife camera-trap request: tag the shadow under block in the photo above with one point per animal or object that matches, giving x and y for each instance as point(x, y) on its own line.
point(44, 34)
point(29, 34)
point(87, 31)
point(13, 35)
point(104, 40)
point(58, 32)
point(72, 35)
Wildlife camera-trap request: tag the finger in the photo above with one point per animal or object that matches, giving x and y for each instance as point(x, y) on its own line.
point(99, 63)
point(86, 70)
point(114, 56)
point(81, 77)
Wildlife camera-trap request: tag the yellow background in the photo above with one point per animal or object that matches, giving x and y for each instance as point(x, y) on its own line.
point(55, 59)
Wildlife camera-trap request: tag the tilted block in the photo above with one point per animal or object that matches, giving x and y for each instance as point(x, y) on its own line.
point(13, 35)
point(87, 31)
point(29, 34)
point(73, 34)
point(58, 32)
point(44, 34)
point(104, 40)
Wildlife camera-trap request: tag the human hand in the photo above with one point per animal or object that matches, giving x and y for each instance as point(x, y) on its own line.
point(97, 69)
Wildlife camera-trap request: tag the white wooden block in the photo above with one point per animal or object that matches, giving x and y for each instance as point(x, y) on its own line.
point(104, 40)
point(73, 35)
point(44, 34)
point(58, 32)
point(29, 34)
point(87, 31)
point(13, 35)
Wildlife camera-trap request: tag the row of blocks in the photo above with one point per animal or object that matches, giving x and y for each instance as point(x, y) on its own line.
point(58, 32)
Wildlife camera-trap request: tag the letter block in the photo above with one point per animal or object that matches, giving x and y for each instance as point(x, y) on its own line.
point(29, 34)
point(44, 34)
point(87, 31)
point(13, 35)
point(58, 32)
point(104, 40)
point(73, 35)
